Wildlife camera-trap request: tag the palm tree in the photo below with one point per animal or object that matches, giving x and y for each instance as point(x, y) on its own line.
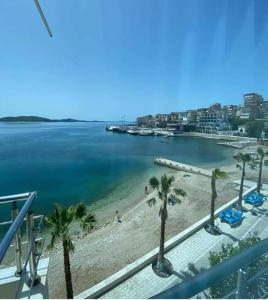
point(261, 153)
point(244, 158)
point(60, 222)
point(216, 174)
point(166, 194)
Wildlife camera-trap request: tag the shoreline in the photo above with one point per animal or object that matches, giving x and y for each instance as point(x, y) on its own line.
point(119, 244)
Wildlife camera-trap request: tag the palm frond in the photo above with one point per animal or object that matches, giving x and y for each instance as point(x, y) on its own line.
point(154, 182)
point(179, 192)
point(170, 179)
point(247, 157)
point(151, 202)
point(219, 174)
point(54, 238)
point(260, 151)
point(88, 222)
point(243, 157)
point(80, 211)
point(238, 157)
point(253, 166)
point(177, 200)
point(166, 183)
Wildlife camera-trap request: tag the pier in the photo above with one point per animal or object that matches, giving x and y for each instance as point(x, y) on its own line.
point(182, 167)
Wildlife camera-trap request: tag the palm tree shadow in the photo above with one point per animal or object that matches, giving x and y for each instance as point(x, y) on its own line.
point(191, 272)
point(233, 238)
point(259, 210)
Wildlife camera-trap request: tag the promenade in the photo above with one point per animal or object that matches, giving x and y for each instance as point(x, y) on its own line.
point(192, 250)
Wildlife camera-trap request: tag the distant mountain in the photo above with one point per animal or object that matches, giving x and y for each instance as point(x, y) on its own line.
point(36, 119)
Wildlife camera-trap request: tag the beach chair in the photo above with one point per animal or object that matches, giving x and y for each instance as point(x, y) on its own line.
point(231, 216)
point(254, 199)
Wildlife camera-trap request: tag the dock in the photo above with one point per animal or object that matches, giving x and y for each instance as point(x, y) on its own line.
point(182, 167)
point(236, 145)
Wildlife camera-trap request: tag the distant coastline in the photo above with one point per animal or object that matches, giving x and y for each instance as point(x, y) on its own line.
point(39, 119)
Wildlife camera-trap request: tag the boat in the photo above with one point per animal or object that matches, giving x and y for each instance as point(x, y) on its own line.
point(133, 131)
point(113, 128)
point(146, 132)
point(159, 132)
point(169, 134)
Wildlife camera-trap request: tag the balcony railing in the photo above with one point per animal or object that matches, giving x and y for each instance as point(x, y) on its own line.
point(13, 238)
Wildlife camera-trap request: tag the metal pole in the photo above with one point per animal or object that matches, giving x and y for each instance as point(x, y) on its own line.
point(43, 17)
point(17, 241)
point(34, 278)
point(241, 284)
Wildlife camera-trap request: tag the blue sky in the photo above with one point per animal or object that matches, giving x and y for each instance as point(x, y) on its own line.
point(110, 58)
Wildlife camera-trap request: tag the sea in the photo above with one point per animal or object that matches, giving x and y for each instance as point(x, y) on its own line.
point(68, 163)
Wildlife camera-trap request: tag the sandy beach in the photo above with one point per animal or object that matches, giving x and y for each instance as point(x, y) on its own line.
point(114, 245)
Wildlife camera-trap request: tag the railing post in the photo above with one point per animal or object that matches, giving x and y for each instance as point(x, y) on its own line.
point(17, 241)
point(241, 284)
point(34, 278)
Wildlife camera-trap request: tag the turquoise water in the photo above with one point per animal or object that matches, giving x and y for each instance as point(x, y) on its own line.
point(72, 162)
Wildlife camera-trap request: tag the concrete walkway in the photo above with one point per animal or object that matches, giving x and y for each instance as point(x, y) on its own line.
point(183, 167)
point(194, 250)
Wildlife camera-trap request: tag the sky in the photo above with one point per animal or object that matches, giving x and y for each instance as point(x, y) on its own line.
point(109, 58)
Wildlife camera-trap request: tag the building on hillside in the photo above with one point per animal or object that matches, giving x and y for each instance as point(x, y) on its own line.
point(252, 103)
point(174, 117)
point(264, 110)
point(161, 120)
point(191, 116)
point(232, 110)
point(245, 116)
point(214, 108)
point(146, 121)
point(213, 122)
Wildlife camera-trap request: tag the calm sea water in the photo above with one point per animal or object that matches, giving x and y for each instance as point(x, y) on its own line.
point(72, 162)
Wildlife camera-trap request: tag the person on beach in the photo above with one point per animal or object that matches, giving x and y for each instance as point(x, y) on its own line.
point(146, 190)
point(117, 217)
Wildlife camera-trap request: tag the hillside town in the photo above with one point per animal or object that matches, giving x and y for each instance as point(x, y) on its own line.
point(250, 119)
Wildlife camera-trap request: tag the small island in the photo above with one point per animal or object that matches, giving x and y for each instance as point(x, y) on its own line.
point(36, 119)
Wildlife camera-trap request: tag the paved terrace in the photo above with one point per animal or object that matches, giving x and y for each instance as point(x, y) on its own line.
point(183, 167)
point(192, 246)
point(9, 284)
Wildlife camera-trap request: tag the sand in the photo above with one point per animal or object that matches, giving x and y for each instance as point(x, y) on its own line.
point(110, 248)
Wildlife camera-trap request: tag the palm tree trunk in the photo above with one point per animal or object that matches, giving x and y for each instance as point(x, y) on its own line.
point(259, 177)
point(213, 198)
point(162, 232)
point(67, 271)
point(241, 185)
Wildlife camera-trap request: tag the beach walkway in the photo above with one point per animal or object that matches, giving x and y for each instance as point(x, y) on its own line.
point(182, 167)
point(192, 250)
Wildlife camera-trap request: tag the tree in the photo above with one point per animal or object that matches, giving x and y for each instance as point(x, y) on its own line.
point(244, 158)
point(254, 128)
point(60, 222)
point(166, 194)
point(261, 154)
point(235, 122)
point(216, 174)
point(256, 288)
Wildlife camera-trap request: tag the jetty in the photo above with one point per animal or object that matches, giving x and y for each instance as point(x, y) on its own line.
point(232, 145)
point(182, 167)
